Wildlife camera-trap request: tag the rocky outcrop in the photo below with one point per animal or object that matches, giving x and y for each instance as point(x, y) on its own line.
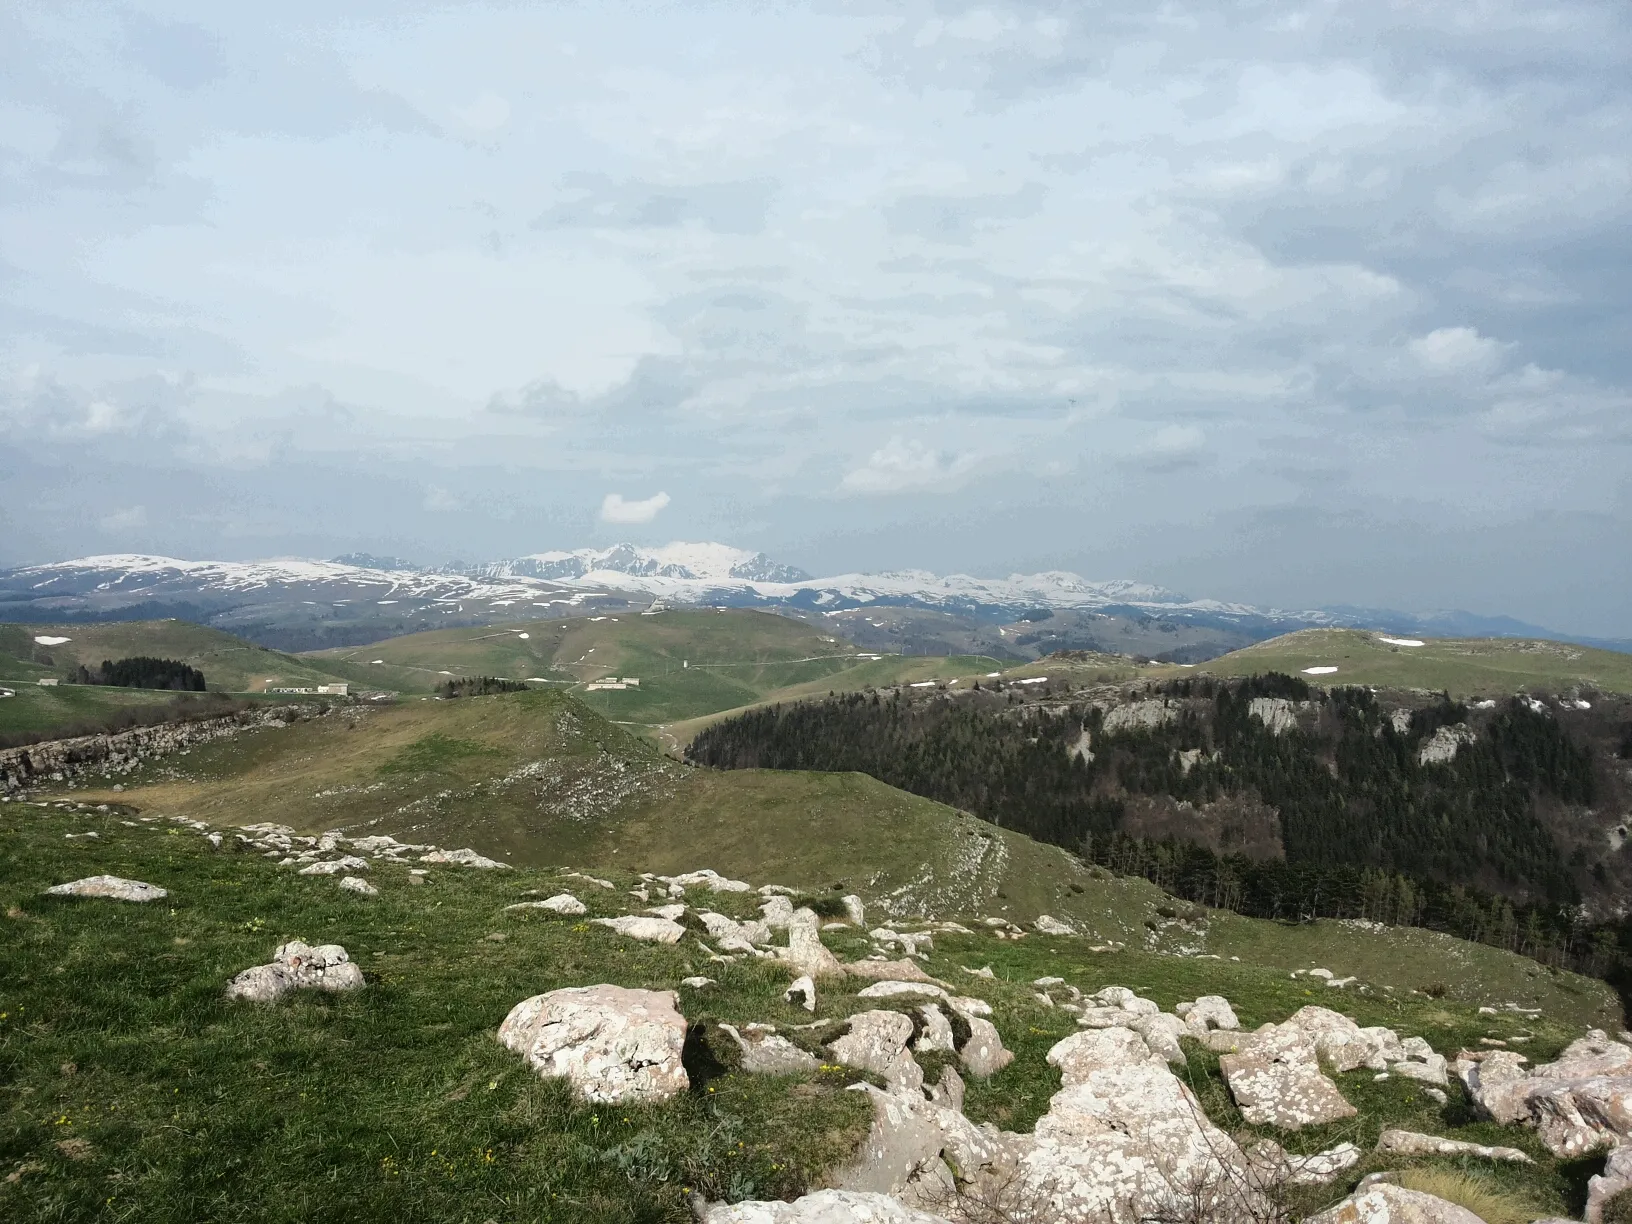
point(1273, 1165)
point(805, 953)
point(297, 966)
point(1442, 746)
point(1580, 1104)
point(876, 1041)
point(610, 1043)
point(764, 1052)
point(1386, 1204)
point(109, 887)
point(1615, 1179)
point(983, 1054)
point(1277, 1081)
point(464, 858)
point(112, 755)
point(801, 993)
point(358, 885)
point(1139, 716)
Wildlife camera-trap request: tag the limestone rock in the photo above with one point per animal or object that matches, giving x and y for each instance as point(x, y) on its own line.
point(1081, 1054)
point(611, 1043)
point(1615, 1179)
point(983, 1054)
point(721, 927)
point(463, 858)
point(820, 1207)
point(887, 970)
point(1277, 1081)
point(948, 1090)
point(1442, 746)
point(908, 1141)
point(1420, 1062)
point(766, 1053)
point(936, 1033)
point(672, 912)
point(297, 966)
point(339, 866)
point(355, 884)
point(638, 926)
point(1208, 1012)
point(561, 903)
point(855, 910)
point(805, 952)
point(1579, 1104)
point(1053, 926)
point(777, 912)
point(110, 887)
point(1276, 713)
point(1410, 1143)
point(877, 1042)
point(1383, 1203)
point(889, 989)
point(1161, 1033)
point(709, 879)
point(1273, 1165)
point(801, 994)
point(1139, 715)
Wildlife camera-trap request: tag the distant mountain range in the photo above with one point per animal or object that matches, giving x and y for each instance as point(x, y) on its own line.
point(361, 597)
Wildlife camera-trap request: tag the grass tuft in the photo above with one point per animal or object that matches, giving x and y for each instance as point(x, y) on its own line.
point(1492, 1203)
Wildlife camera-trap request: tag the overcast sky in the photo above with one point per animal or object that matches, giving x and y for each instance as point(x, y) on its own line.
point(1298, 304)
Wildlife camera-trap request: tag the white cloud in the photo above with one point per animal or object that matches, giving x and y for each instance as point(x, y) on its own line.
point(615, 509)
point(901, 466)
point(439, 499)
point(128, 519)
point(1448, 350)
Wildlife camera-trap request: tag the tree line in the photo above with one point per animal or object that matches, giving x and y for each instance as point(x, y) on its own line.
point(141, 671)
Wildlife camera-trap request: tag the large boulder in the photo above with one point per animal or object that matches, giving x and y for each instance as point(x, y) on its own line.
point(1580, 1104)
point(561, 903)
point(887, 970)
point(640, 926)
point(1615, 1179)
point(876, 1041)
point(297, 966)
point(1386, 1204)
point(612, 1044)
point(109, 887)
point(983, 1054)
point(821, 1207)
point(1277, 1081)
point(910, 1142)
point(722, 928)
point(1207, 1012)
point(805, 953)
point(767, 1053)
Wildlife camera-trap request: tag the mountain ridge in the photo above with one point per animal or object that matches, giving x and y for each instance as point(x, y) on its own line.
point(358, 587)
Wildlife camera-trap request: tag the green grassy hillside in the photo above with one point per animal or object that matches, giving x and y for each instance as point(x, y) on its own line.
point(60, 710)
point(229, 664)
point(1465, 667)
point(535, 778)
point(135, 1091)
point(690, 663)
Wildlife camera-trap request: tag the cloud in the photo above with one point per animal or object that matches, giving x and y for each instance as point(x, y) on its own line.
point(487, 113)
point(128, 519)
point(902, 466)
point(614, 509)
point(1172, 440)
point(439, 500)
point(1448, 350)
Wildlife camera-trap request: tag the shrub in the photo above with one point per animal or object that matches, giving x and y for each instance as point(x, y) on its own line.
point(1618, 1209)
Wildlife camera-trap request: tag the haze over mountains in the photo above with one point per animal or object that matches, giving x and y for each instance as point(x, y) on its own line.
point(360, 597)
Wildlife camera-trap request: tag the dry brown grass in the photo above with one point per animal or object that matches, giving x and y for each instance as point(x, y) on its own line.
point(1480, 1195)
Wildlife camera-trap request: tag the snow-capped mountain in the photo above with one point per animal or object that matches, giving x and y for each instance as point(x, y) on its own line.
point(363, 597)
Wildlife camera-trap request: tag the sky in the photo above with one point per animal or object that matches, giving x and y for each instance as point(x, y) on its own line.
point(1296, 304)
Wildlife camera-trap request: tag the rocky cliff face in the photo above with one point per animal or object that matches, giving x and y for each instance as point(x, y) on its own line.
point(64, 760)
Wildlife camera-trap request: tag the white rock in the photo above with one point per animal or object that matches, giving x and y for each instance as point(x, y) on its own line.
point(561, 903)
point(777, 912)
point(697, 983)
point(1277, 1081)
point(721, 927)
point(806, 953)
point(802, 993)
point(1047, 925)
point(1208, 1012)
point(1276, 1166)
point(339, 866)
point(638, 926)
point(709, 879)
point(464, 858)
point(610, 1043)
point(1383, 1203)
point(297, 966)
point(983, 1054)
point(1411, 1143)
point(855, 910)
point(360, 886)
point(877, 1042)
point(936, 1033)
point(109, 887)
point(1615, 1179)
point(769, 1054)
point(893, 990)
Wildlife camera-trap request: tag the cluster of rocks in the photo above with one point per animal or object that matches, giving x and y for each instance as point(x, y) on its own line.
point(109, 755)
point(297, 966)
point(1579, 1104)
point(312, 855)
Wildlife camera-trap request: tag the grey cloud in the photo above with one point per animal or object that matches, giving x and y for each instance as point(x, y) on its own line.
point(182, 56)
point(957, 218)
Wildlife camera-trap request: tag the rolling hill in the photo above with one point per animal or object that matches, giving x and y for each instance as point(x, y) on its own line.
point(689, 663)
point(1464, 667)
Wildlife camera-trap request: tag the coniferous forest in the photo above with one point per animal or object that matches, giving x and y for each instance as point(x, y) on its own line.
point(140, 671)
point(1366, 828)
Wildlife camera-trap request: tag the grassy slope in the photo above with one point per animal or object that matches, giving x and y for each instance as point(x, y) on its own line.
point(1466, 667)
point(229, 664)
point(690, 663)
point(135, 1091)
point(537, 779)
point(65, 707)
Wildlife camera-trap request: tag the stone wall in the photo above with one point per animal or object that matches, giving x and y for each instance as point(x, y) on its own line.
point(67, 759)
